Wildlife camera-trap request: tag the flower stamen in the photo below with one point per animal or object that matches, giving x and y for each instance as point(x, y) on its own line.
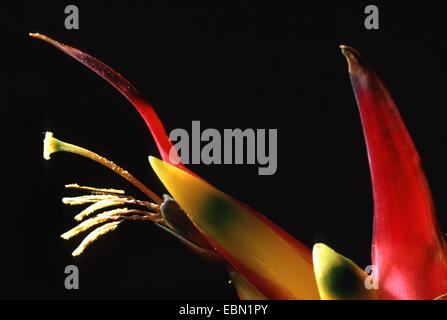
point(95, 234)
point(101, 201)
point(94, 190)
point(96, 206)
point(120, 213)
point(88, 199)
point(102, 198)
point(106, 200)
point(52, 145)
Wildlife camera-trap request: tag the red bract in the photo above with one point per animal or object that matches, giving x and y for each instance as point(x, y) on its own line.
point(146, 111)
point(408, 249)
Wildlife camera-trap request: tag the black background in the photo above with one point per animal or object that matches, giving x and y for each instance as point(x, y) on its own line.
point(242, 65)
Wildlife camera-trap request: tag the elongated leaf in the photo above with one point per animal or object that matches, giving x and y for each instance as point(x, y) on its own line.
point(408, 249)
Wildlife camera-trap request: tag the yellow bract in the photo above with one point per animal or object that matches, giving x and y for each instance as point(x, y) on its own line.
point(339, 278)
point(277, 264)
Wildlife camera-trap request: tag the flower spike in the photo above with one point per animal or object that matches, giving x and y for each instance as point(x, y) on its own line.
point(166, 150)
point(409, 251)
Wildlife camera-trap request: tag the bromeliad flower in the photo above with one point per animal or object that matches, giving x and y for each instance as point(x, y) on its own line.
point(262, 259)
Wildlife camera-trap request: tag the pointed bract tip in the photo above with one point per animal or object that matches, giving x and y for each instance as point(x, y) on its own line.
point(43, 37)
point(154, 162)
point(352, 56)
point(320, 252)
point(346, 50)
point(38, 36)
point(338, 278)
